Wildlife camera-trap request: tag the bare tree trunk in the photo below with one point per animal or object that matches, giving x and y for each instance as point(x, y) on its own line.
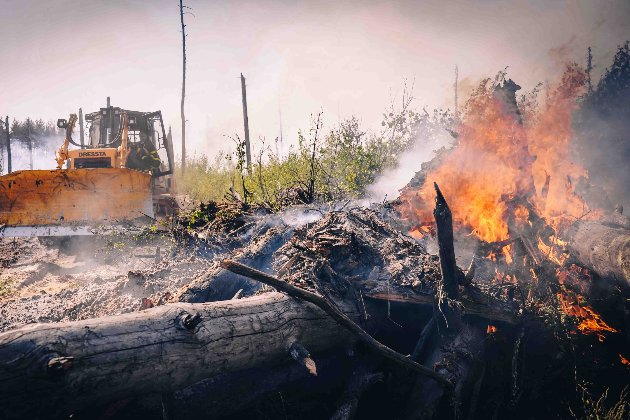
point(313, 163)
point(8, 128)
point(183, 115)
point(81, 128)
point(248, 152)
point(30, 143)
point(48, 369)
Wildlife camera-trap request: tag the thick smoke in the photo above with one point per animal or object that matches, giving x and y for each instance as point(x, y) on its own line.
point(430, 137)
point(602, 128)
point(42, 154)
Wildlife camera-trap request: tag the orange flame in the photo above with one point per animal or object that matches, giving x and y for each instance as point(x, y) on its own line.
point(624, 361)
point(498, 158)
point(590, 321)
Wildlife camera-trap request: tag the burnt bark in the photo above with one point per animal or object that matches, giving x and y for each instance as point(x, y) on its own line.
point(455, 344)
point(221, 284)
point(359, 382)
point(55, 369)
point(231, 393)
point(448, 265)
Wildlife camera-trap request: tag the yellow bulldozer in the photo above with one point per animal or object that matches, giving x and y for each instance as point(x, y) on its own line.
point(122, 176)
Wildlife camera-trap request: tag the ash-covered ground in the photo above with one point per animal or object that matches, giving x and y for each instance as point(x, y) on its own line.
point(86, 277)
point(74, 278)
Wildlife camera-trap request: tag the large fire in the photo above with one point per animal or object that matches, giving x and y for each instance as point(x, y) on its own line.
point(499, 158)
point(507, 170)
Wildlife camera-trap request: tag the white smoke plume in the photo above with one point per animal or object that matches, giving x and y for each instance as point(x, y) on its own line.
point(42, 155)
point(388, 185)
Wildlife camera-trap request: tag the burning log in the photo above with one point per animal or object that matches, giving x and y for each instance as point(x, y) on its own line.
point(48, 369)
point(352, 260)
point(605, 249)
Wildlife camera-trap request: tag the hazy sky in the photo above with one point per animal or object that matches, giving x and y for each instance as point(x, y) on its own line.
point(299, 57)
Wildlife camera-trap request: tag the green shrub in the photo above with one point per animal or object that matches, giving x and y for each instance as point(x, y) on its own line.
point(323, 166)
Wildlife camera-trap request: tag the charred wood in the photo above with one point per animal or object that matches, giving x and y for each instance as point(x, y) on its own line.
point(359, 382)
point(232, 393)
point(452, 355)
point(426, 336)
point(444, 225)
point(456, 345)
point(220, 284)
point(472, 302)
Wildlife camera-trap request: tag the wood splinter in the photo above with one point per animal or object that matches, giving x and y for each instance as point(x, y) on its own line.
point(59, 364)
point(238, 294)
point(303, 357)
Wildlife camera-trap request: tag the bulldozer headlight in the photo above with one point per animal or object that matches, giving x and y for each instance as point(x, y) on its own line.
point(132, 120)
point(61, 123)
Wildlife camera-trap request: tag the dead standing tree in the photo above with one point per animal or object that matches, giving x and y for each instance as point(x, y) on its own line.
point(447, 343)
point(183, 115)
point(312, 175)
point(7, 132)
point(248, 153)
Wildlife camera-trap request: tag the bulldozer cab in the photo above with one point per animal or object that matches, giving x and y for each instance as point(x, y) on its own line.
point(149, 148)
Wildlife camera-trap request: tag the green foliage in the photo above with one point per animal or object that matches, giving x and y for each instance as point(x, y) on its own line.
point(206, 180)
point(351, 161)
point(601, 125)
point(324, 165)
point(340, 164)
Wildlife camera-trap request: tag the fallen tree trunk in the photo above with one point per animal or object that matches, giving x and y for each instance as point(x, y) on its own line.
point(601, 248)
point(55, 369)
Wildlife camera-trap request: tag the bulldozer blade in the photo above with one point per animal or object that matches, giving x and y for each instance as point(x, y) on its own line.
point(72, 201)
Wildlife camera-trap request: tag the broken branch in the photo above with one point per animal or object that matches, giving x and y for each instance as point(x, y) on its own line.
point(336, 314)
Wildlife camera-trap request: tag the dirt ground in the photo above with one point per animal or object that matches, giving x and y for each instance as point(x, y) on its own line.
point(52, 281)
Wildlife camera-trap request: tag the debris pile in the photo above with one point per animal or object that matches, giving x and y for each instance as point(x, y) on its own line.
point(356, 253)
